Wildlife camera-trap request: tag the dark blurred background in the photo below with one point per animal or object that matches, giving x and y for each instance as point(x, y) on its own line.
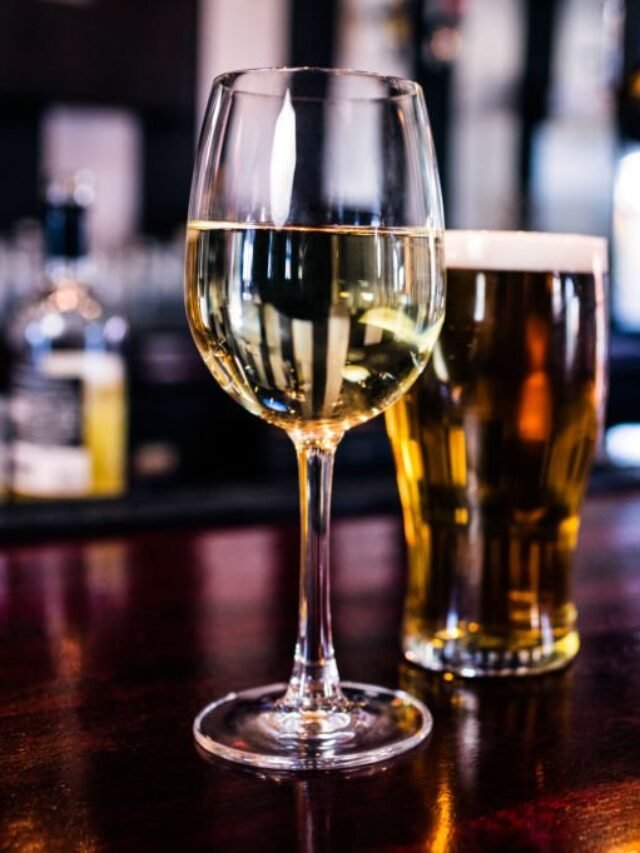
point(535, 108)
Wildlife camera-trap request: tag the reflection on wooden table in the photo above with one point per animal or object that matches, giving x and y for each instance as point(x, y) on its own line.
point(108, 648)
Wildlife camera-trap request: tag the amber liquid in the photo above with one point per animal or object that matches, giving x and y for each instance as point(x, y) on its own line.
point(314, 330)
point(493, 448)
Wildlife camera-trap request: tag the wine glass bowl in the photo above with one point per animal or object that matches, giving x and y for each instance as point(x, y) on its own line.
point(315, 295)
point(299, 325)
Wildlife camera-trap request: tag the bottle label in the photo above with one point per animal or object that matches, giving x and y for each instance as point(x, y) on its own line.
point(53, 409)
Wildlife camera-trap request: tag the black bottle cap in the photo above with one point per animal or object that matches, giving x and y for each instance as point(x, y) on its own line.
point(65, 231)
point(65, 218)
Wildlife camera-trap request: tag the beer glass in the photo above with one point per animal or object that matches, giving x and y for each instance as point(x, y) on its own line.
point(314, 288)
point(493, 447)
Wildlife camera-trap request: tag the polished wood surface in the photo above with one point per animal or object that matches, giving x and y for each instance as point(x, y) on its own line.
point(108, 649)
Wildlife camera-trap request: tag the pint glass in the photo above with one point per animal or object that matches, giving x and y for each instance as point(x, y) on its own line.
point(493, 447)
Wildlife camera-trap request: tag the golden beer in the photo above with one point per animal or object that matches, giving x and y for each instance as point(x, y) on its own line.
point(493, 447)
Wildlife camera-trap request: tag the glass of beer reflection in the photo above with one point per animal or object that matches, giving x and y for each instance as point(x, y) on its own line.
point(493, 448)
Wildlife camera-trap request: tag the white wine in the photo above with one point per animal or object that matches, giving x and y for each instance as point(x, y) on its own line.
point(314, 329)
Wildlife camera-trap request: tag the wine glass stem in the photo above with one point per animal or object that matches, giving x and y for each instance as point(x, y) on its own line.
point(314, 683)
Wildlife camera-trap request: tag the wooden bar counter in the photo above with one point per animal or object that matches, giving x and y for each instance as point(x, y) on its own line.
point(109, 647)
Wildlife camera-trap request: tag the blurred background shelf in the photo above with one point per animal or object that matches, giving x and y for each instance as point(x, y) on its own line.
point(224, 504)
point(535, 107)
point(228, 504)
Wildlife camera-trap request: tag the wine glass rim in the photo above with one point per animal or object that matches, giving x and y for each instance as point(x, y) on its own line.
point(405, 88)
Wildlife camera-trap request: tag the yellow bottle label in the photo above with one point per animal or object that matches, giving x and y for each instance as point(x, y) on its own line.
point(69, 425)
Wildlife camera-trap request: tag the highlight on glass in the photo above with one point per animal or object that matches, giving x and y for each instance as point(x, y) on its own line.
point(315, 295)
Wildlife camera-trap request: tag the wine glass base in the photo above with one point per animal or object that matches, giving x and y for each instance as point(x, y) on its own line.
point(256, 729)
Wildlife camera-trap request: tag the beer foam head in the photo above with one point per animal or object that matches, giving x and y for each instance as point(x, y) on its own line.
point(525, 251)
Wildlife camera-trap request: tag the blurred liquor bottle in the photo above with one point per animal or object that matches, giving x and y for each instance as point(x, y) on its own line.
point(4, 380)
point(67, 386)
point(625, 302)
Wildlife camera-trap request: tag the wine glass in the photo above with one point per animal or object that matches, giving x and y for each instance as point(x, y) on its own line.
point(315, 294)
